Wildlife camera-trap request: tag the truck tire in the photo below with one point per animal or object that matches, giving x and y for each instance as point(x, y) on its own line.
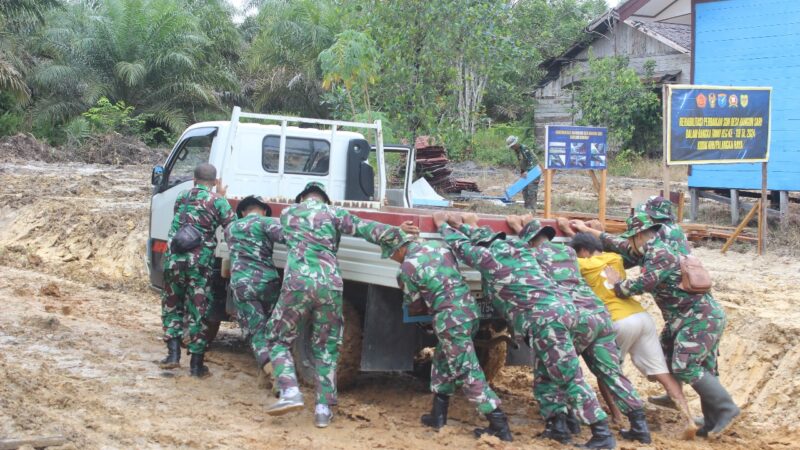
point(493, 357)
point(349, 352)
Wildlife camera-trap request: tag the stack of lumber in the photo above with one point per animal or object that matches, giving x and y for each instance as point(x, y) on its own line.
point(432, 162)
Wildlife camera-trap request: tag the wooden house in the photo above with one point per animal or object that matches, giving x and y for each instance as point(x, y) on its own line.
point(653, 30)
point(751, 43)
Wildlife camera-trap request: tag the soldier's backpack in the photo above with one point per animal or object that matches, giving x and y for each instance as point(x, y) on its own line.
point(695, 279)
point(187, 238)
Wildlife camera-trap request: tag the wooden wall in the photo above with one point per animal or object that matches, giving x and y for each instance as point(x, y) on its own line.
point(753, 43)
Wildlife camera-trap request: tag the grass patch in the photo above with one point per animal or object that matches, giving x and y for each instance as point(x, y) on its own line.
point(626, 164)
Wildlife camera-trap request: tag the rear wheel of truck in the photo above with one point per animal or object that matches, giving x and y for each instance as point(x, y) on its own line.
point(349, 352)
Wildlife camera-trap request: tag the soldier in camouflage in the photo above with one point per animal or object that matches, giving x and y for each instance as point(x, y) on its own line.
point(527, 161)
point(255, 283)
point(536, 310)
point(430, 279)
point(187, 275)
point(695, 321)
point(312, 289)
point(593, 335)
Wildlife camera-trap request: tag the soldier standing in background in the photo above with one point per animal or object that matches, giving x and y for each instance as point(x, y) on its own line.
point(527, 161)
point(429, 278)
point(188, 266)
point(255, 283)
point(312, 287)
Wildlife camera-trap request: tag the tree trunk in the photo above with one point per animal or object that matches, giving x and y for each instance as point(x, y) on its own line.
point(471, 86)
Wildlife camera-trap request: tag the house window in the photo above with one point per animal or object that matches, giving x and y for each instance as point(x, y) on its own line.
point(303, 155)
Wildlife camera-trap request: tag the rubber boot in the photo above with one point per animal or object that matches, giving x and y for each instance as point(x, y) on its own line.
point(556, 429)
point(438, 416)
point(601, 437)
point(498, 426)
point(723, 410)
point(638, 430)
point(708, 421)
point(573, 424)
point(173, 359)
point(196, 367)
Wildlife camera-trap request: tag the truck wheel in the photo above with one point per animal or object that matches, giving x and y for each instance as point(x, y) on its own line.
point(349, 352)
point(493, 358)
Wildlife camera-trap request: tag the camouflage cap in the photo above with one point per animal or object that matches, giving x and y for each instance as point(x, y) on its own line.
point(658, 208)
point(392, 240)
point(313, 186)
point(485, 236)
point(637, 223)
point(249, 201)
point(533, 228)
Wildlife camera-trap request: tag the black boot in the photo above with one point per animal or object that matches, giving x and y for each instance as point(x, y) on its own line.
point(438, 416)
point(638, 430)
point(601, 437)
point(196, 367)
point(498, 426)
point(573, 424)
point(173, 359)
point(556, 429)
point(722, 409)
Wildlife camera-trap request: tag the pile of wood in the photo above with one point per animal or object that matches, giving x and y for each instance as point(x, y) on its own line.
point(432, 162)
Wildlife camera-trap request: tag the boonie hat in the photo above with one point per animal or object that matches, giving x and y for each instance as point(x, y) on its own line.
point(658, 208)
point(637, 223)
point(249, 201)
point(533, 228)
point(313, 186)
point(512, 141)
point(392, 240)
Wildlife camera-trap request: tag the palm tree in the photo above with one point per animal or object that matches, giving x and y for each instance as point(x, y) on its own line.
point(154, 55)
point(17, 18)
point(282, 63)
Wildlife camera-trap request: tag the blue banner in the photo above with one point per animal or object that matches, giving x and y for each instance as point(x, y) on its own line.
point(717, 124)
point(569, 147)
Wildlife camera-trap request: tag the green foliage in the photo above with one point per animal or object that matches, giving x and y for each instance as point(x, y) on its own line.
point(350, 61)
point(155, 55)
point(490, 145)
point(10, 114)
point(611, 94)
point(623, 163)
point(106, 117)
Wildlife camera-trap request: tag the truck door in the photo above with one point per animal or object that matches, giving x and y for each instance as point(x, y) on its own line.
point(306, 159)
point(174, 177)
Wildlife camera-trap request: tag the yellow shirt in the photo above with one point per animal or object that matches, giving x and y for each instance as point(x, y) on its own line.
point(592, 269)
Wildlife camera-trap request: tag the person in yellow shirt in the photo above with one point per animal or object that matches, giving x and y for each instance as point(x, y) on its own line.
point(636, 330)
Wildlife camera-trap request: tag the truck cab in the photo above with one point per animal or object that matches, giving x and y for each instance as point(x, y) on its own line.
point(274, 157)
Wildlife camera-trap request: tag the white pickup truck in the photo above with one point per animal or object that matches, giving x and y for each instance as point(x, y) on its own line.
point(273, 157)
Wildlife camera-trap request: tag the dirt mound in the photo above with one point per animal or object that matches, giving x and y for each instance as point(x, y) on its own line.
point(112, 148)
point(25, 147)
point(117, 149)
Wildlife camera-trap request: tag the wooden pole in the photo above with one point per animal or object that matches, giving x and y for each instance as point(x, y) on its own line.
point(762, 223)
point(747, 219)
point(602, 192)
point(548, 194)
point(595, 181)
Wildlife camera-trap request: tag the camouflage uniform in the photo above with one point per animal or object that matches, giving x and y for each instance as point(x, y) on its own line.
point(255, 283)
point(660, 210)
point(593, 334)
point(694, 321)
point(187, 276)
point(312, 287)
point(430, 274)
point(535, 309)
point(527, 161)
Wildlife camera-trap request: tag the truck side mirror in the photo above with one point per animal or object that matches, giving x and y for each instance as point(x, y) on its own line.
point(157, 176)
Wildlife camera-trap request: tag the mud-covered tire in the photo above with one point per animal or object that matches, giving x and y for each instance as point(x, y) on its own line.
point(349, 352)
point(493, 358)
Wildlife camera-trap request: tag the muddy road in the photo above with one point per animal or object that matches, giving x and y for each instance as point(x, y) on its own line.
point(80, 335)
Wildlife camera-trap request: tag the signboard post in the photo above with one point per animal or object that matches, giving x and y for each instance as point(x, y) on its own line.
point(719, 125)
point(575, 148)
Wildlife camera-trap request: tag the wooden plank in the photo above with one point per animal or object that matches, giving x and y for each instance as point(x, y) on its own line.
point(681, 201)
point(38, 442)
point(772, 213)
point(734, 207)
point(595, 181)
point(603, 185)
point(741, 226)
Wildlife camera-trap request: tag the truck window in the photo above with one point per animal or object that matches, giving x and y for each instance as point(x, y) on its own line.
point(303, 155)
point(193, 151)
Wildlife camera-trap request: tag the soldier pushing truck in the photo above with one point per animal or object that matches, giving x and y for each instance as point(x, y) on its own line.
point(534, 285)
